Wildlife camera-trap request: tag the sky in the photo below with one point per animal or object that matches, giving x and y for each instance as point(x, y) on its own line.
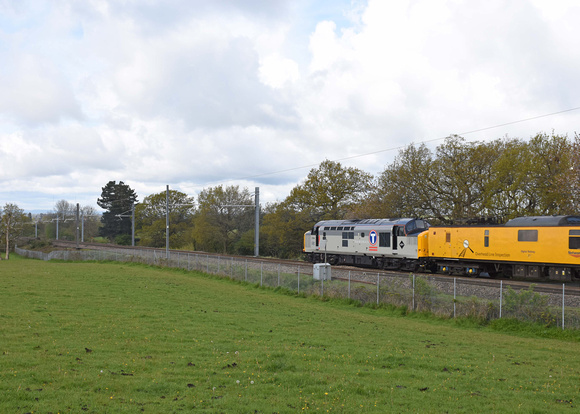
point(194, 93)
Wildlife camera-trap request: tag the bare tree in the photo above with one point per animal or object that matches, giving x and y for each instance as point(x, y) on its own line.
point(91, 221)
point(64, 209)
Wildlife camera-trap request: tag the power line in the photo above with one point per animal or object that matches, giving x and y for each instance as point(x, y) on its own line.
point(397, 148)
point(521, 120)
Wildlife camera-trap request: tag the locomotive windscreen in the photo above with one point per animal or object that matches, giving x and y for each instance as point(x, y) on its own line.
point(416, 226)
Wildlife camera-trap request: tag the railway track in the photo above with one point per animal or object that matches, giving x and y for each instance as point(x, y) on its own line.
point(102, 246)
point(572, 288)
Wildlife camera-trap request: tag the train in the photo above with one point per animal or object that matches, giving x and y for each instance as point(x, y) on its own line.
point(529, 248)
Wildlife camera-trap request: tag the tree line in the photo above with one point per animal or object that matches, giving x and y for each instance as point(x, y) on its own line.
point(458, 182)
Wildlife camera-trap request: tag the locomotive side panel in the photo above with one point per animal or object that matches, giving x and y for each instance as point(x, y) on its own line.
point(527, 252)
point(512, 244)
point(385, 243)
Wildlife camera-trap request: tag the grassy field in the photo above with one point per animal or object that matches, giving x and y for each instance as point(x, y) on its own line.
point(106, 337)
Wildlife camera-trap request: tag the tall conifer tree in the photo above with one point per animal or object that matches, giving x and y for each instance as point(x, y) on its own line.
point(117, 200)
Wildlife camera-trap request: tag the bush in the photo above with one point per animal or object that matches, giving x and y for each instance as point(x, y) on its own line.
point(36, 244)
point(124, 239)
point(528, 305)
point(424, 293)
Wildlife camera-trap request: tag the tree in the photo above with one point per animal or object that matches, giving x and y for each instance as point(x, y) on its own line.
point(65, 214)
point(533, 178)
point(509, 189)
point(64, 209)
point(551, 164)
point(90, 220)
point(282, 232)
point(224, 215)
point(459, 176)
point(500, 180)
point(150, 219)
point(12, 218)
point(569, 182)
point(330, 191)
point(117, 200)
point(403, 189)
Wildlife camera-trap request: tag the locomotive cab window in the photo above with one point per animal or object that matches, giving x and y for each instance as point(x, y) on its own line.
point(416, 226)
point(527, 235)
point(574, 241)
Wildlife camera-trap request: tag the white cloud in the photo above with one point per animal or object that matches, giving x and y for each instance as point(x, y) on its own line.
point(35, 92)
point(276, 71)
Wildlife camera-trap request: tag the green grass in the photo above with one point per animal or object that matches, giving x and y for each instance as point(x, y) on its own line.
point(92, 337)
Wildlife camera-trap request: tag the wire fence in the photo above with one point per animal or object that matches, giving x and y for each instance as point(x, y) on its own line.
point(445, 297)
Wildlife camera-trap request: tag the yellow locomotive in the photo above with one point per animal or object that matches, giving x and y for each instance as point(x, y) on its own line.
point(546, 247)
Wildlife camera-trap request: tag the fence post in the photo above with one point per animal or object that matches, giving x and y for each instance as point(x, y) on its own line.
point(500, 296)
point(563, 303)
point(349, 284)
point(246, 271)
point(413, 309)
point(322, 284)
point(278, 274)
point(298, 279)
point(218, 271)
point(207, 263)
point(454, 296)
point(261, 273)
point(378, 287)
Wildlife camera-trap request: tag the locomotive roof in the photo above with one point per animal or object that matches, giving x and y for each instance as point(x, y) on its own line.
point(376, 222)
point(544, 221)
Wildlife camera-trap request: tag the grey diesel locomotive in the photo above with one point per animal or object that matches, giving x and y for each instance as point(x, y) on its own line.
point(381, 243)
